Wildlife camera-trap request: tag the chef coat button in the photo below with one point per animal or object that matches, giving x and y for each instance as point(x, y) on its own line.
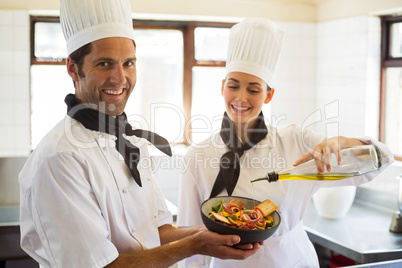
point(155, 216)
point(124, 191)
point(149, 179)
point(132, 230)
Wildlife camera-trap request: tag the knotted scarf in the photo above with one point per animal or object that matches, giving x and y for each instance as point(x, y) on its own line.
point(230, 161)
point(95, 120)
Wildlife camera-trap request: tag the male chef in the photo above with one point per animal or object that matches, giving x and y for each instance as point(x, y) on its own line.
point(86, 200)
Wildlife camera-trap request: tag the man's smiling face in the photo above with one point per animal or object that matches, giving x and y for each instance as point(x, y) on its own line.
point(108, 75)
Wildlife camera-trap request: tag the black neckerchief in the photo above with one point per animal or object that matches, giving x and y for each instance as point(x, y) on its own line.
point(230, 161)
point(94, 120)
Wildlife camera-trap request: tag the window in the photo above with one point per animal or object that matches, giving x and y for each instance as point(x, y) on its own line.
point(391, 84)
point(180, 72)
point(207, 106)
point(49, 80)
point(157, 100)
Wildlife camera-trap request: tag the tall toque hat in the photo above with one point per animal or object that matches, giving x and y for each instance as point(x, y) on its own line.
point(85, 21)
point(254, 48)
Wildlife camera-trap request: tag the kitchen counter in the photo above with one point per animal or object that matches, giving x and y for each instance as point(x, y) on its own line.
point(363, 235)
point(10, 235)
point(9, 215)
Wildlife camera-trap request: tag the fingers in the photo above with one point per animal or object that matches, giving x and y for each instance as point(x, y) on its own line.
point(322, 155)
point(318, 156)
point(214, 238)
point(304, 158)
point(248, 246)
point(326, 159)
point(225, 246)
point(234, 240)
point(337, 151)
point(228, 240)
point(332, 146)
point(240, 252)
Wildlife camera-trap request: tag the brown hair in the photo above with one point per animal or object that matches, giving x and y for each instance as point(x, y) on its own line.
point(79, 55)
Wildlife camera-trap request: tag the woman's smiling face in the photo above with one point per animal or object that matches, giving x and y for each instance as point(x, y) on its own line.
point(244, 94)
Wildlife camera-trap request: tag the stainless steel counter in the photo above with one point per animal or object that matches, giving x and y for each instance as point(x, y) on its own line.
point(363, 235)
point(10, 249)
point(10, 168)
point(9, 215)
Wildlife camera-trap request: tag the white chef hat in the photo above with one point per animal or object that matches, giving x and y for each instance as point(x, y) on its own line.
point(254, 48)
point(85, 21)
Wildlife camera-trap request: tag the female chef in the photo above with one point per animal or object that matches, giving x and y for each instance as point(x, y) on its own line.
point(246, 148)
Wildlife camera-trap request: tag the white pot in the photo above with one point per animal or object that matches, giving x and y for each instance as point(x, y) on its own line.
point(334, 202)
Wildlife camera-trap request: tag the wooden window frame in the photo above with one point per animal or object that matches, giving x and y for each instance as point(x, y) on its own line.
point(36, 60)
point(387, 60)
point(189, 61)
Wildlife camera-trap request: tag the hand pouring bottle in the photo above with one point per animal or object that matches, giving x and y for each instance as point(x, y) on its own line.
point(355, 161)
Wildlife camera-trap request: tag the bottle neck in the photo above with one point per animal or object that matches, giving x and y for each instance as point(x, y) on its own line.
point(272, 176)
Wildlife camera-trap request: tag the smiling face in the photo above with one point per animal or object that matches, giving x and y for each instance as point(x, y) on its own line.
point(108, 74)
point(244, 95)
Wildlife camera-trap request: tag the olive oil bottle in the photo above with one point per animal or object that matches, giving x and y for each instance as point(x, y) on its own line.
point(357, 160)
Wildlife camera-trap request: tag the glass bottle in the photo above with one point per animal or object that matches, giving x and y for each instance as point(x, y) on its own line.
point(356, 161)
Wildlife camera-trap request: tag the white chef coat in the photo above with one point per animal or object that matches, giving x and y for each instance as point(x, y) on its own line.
point(289, 246)
point(80, 206)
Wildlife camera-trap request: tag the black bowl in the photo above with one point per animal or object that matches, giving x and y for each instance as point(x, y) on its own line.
point(246, 236)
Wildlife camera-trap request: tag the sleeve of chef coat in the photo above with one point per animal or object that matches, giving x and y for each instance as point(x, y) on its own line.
point(386, 158)
point(189, 205)
point(66, 214)
point(164, 214)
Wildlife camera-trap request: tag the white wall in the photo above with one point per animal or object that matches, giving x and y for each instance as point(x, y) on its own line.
point(348, 68)
point(294, 10)
point(294, 97)
point(289, 10)
point(14, 83)
point(387, 181)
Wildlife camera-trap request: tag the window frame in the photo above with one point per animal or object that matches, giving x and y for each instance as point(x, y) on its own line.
point(189, 61)
point(387, 60)
point(42, 61)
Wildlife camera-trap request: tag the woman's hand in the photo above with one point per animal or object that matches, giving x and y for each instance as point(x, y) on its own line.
point(321, 153)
